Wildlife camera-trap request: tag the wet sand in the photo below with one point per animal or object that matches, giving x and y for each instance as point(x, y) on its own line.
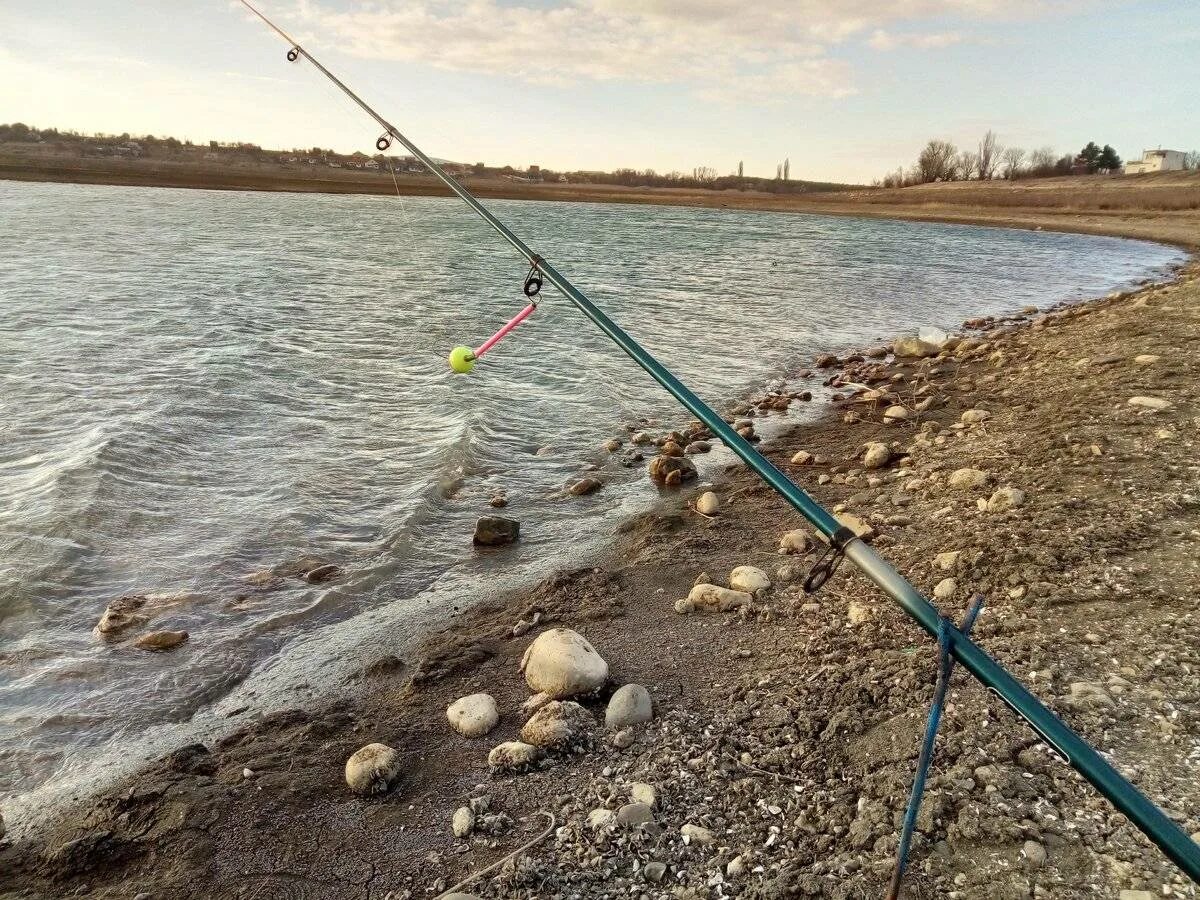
point(788, 728)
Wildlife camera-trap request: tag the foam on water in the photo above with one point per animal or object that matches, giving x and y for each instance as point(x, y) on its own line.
point(195, 386)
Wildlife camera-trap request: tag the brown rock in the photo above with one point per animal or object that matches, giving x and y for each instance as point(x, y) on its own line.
point(585, 486)
point(495, 531)
point(160, 640)
point(121, 614)
point(662, 467)
point(322, 573)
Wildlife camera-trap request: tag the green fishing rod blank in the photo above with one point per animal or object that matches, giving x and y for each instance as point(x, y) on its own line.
point(1076, 752)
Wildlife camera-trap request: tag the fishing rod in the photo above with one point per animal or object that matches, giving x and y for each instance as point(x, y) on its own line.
point(842, 541)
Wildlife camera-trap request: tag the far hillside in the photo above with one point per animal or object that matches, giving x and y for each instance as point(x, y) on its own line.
point(49, 154)
point(1164, 191)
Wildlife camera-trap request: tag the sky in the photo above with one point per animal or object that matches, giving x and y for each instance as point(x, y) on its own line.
point(846, 89)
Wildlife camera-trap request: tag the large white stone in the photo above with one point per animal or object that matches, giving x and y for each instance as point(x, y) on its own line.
point(473, 716)
point(561, 663)
point(372, 769)
point(629, 705)
point(711, 598)
point(748, 579)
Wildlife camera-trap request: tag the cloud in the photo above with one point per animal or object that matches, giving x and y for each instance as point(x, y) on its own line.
point(769, 50)
point(108, 61)
point(884, 40)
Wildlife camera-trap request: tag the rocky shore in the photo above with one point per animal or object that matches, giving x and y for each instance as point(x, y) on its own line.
point(681, 720)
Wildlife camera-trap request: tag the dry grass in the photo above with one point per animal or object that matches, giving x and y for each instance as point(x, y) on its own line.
point(1167, 191)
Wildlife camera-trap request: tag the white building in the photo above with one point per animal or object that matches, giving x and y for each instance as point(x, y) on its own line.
point(1156, 161)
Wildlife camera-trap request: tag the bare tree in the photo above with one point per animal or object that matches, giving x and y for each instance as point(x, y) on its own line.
point(966, 165)
point(989, 155)
point(1191, 160)
point(787, 168)
point(937, 161)
point(1043, 161)
point(741, 169)
point(1011, 161)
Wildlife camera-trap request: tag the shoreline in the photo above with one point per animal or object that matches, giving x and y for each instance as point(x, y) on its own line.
point(480, 648)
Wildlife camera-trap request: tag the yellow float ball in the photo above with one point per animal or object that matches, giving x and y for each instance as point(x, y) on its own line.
point(462, 359)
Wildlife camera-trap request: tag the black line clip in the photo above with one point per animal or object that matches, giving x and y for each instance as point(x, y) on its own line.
point(828, 561)
point(385, 141)
point(533, 281)
point(293, 54)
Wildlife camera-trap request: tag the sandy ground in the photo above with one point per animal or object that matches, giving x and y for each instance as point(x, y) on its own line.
point(788, 730)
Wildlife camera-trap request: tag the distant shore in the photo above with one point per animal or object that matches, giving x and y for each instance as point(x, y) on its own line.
point(1163, 207)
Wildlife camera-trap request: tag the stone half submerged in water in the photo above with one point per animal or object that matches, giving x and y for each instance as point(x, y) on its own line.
point(496, 531)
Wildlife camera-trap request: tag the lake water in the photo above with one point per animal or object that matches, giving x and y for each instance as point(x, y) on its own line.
point(196, 386)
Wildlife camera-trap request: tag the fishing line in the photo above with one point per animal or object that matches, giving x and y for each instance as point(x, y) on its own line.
point(403, 207)
point(1081, 756)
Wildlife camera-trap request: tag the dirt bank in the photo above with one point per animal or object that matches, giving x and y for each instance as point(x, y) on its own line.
point(788, 729)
